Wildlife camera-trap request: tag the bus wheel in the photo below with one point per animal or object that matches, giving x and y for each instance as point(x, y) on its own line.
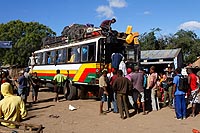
point(82, 92)
point(73, 92)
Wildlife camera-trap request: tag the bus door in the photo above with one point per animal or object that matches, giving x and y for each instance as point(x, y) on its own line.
point(106, 51)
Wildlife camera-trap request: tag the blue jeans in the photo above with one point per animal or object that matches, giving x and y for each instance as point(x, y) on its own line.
point(180, 106)
point(104, 98)
point(114, 102)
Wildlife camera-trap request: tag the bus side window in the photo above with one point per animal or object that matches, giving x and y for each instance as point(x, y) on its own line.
point(74, 54)
point(39, 58)
point(52, 57)
point(57, 57)
point(76, 50)
point(61, 56)
point(70, 58)
point(64, 55)
point(92, 53)
point(43, 58)
point(84, 53)
point(48, 58)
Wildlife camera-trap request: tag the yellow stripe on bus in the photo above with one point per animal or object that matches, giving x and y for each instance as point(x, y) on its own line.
point(82, 68)
point(54, 71)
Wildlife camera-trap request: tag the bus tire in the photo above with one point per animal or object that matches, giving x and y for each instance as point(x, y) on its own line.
point(73, 92)
point(82, 92)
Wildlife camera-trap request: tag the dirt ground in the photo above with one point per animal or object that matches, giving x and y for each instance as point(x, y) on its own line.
point(57, 118)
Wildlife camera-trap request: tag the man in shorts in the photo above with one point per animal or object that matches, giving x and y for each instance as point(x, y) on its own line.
point(103, 93)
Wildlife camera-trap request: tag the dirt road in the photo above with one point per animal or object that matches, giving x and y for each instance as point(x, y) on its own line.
point(56, 118)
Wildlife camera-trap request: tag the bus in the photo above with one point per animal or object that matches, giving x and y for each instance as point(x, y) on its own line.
point(82, 61)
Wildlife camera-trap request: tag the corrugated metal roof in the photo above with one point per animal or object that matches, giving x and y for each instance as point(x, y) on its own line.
point(157, 62)
point(159, 54)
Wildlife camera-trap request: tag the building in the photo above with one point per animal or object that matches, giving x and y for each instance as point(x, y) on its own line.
point(162, 58)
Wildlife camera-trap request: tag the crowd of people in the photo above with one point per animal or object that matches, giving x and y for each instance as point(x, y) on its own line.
point(145, 92)
point(122, 90)
point(14, 93)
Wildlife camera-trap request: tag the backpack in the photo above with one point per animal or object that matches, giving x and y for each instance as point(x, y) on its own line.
point(183, 83)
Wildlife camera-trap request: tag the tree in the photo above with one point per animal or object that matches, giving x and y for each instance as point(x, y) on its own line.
point(186, 40)
point(189, 43)
point(26, 38)
point(148, 41)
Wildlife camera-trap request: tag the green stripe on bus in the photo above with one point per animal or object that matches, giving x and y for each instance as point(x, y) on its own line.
point(90, 77)
point(46, 77)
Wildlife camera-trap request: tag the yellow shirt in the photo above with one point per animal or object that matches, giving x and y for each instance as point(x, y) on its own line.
point(12, 107)
point(72, 59)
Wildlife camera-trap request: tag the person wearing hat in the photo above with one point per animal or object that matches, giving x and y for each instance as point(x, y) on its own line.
point(12, 107)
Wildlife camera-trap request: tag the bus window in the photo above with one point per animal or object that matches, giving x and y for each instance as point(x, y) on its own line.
point(43, 58)
point(74, 54)
point(61, 56)
point(56, 57)
point(69, 55)
point(130, 55)
point(84, 53)
point(48, 58)
point(39, 58)
point(133, 54)
point(64, 57)
point(92, 53)
point(88, 52)
point(52, 57)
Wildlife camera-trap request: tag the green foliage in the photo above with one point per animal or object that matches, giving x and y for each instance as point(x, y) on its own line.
point(189, 43)
point(148, 41)
point(26, 38)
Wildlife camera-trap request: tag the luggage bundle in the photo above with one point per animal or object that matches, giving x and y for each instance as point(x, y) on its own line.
point(72, 33)
point(79, 31)
point(51, 40)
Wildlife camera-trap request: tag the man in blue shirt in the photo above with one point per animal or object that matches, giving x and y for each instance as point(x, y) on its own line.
point(180, 102)
point(22, 86)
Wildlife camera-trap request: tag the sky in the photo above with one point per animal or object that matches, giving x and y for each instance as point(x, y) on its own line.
point(143, 15)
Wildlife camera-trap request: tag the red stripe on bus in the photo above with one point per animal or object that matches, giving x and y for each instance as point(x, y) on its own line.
point(85, 73)
point(52, 74)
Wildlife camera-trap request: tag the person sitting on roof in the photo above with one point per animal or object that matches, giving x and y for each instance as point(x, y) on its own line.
point(106, 25)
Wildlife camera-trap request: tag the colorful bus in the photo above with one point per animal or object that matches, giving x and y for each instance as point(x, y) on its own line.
point(83, 61)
